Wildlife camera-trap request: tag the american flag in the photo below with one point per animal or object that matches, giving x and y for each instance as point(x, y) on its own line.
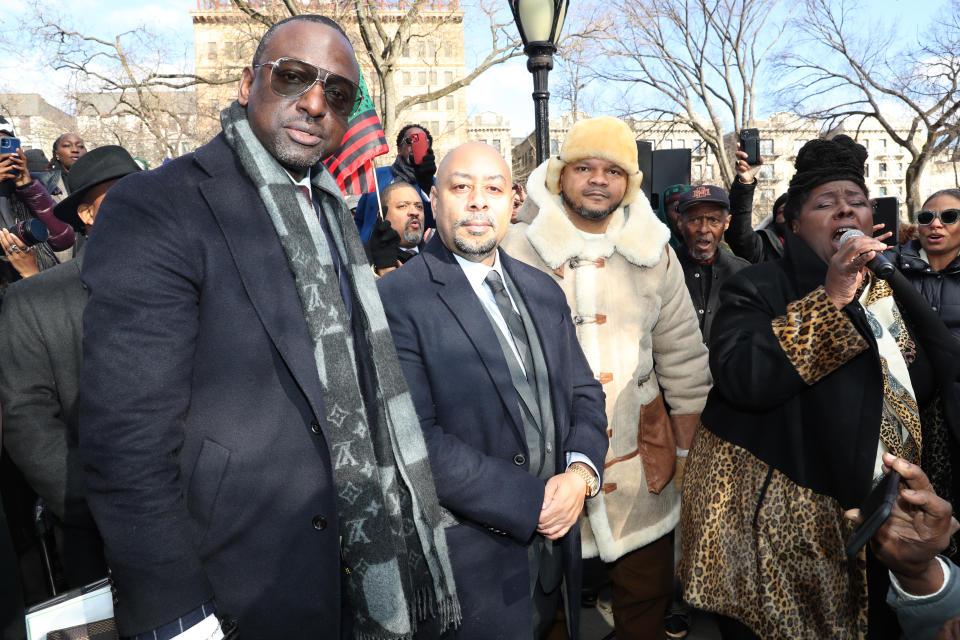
point(352, 164)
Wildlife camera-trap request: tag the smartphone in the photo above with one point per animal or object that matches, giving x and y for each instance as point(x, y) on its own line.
point(10, 145)
point(886, 210)
point(419, 144)
point(874, 512)
point(750, 144)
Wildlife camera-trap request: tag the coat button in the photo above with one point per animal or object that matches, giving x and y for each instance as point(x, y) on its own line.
point(315, 427)
point(549, 447)
point(319, 523)
point(519, 459)
point(696, 275)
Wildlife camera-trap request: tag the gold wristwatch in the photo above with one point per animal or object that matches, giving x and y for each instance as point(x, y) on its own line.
point(585, 472)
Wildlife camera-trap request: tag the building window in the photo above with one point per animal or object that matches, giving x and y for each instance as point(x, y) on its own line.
point(866, 169)
point(422, 49)
point(448, 127)
point(709, 172)
point(495, 144)
point(405, 79)
point(433, 77)
point(883, 144)
point(698, 148)
point(766, 147)
point(697, 172)
point(448, 77)
point(211, 51)
point(422, 78)
point(882, 191)
point(435, 126)
point(450, 103)
point(765, 172)
point(448, 48)
point(766, 195)
point(405, 51)
point(882, 169)
point(554, 147)
point(666, 144)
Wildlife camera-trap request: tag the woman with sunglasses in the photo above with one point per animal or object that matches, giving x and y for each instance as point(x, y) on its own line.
point(932, 261)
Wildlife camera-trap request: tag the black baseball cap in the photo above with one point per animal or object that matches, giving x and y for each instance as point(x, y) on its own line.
point(702, 193)
point(90, 169)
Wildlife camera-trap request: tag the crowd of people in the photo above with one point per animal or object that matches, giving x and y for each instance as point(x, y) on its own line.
point(264, 414)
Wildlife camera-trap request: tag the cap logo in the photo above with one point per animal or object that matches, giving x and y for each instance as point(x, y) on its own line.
point(701, 192)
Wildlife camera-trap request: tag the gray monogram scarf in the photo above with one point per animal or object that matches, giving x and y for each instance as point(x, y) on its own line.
point(393, 544)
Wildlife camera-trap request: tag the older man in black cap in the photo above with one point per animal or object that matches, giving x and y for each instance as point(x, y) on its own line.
point(40, 331)
point(704, 216)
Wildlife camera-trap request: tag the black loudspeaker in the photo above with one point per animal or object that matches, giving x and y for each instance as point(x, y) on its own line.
point(645, 162)
point(670, 166)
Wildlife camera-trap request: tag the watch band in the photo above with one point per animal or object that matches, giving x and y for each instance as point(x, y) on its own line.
point(593, 486)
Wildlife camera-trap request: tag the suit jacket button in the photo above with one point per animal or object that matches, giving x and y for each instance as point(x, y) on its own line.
point(319, 523)
point(519, 459)
point(315, 427)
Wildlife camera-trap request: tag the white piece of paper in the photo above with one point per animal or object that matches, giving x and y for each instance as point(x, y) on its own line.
point(93, 606)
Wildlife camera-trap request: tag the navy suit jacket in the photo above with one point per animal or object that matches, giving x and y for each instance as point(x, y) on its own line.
point(461, 386)
point(207, 468)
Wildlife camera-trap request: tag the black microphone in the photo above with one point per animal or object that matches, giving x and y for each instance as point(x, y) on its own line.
point(882, 267)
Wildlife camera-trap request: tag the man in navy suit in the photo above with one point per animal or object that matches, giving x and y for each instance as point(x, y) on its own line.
point(212, 428)
point(513, 417)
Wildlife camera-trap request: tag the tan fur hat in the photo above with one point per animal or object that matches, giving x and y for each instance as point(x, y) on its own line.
point(604, 137)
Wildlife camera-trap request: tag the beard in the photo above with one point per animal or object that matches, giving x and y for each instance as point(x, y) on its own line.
point(586, 212)
point(412, 236)
point(297, 156)
point(475, 246)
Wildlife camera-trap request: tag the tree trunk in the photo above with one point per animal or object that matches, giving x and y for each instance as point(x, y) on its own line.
point(912, 182)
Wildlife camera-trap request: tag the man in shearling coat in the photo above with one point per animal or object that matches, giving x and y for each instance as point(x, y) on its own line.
point(584, 224)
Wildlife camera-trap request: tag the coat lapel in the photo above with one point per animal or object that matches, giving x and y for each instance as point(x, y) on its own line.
point(460, 298)
point(259, 257)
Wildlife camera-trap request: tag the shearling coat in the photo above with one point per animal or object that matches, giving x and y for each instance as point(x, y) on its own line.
point(637, 327)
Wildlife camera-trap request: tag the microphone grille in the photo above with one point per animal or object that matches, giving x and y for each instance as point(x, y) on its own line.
point(851, 233)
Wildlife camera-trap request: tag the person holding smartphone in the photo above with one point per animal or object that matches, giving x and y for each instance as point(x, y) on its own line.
point(924, 587)
point(819, 368)
point(415, 164)
point(931, 262)
point(22, 198)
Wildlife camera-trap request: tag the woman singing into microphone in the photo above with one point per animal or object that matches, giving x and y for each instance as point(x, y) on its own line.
point(819, 367)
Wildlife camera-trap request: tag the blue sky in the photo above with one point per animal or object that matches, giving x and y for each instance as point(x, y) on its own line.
point(501, 89)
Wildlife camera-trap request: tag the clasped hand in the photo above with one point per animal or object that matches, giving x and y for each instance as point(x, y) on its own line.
point(562, 503)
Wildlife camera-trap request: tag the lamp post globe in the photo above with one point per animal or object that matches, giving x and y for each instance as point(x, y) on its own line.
point(539, 23)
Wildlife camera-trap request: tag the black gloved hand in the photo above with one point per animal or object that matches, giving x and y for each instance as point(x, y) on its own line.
point(383, 245)
point(425, 171)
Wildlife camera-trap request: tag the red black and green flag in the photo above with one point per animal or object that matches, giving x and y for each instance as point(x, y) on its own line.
point(364, 140)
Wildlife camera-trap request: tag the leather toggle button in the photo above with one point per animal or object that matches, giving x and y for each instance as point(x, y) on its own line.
point(315, 427)
point(519, 459)
point(319, 523)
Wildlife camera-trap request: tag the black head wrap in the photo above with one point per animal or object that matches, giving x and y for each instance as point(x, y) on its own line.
point(822, 161)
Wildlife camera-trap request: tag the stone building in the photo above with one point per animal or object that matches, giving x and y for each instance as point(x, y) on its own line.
point(493, 129)
point(36, 122)
point(524, 153)
point(433, 57)
point(152, 125)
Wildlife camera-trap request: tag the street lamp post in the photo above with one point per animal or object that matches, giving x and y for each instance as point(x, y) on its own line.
point(539, 23)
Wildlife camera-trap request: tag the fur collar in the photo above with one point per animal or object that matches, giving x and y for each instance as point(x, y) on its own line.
point(634, 232)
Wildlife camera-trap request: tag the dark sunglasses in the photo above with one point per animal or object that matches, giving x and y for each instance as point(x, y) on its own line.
point(292, 78)
point(947, 216)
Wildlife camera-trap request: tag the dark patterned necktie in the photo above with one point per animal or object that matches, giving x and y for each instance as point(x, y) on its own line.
point(511, 317)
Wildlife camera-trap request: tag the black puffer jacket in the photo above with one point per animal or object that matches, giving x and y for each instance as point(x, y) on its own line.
point(940, 288)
